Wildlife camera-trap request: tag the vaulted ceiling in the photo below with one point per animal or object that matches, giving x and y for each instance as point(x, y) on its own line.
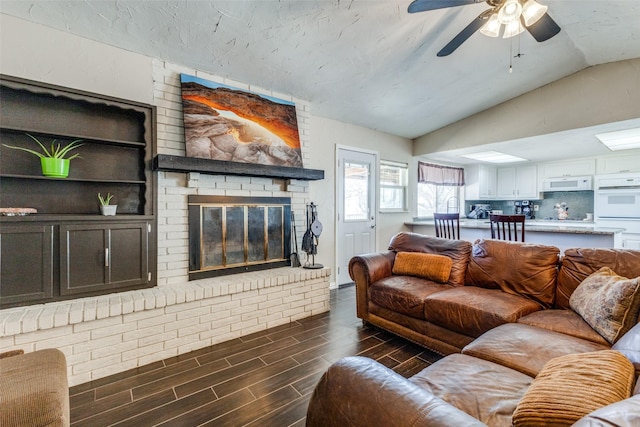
point(365, 62)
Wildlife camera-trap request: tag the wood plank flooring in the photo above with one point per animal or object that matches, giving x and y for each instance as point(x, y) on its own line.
point(265, 379)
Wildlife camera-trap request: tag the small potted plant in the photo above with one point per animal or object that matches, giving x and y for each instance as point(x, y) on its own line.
point(106, 208)
point(54, 162)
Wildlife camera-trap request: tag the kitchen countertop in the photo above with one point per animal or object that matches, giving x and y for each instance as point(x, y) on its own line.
point(534, 225)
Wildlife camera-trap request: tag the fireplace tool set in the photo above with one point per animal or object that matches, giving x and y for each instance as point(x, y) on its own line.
point(295, 258)
point(310, 238)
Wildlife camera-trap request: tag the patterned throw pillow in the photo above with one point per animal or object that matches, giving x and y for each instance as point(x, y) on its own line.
point(572, 386)
point(429, 266)
point(608, 303)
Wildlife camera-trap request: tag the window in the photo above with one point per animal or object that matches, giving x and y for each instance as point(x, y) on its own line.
point(437, 198)
point(438, 188)
point(393, 186)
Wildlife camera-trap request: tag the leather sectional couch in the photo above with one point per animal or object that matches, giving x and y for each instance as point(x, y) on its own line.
point(528, 333)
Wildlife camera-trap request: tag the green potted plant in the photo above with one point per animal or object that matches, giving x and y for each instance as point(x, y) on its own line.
point(106, 208)
point(54, 161)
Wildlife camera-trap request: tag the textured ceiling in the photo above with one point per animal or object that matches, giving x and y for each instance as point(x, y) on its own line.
point(366, 62)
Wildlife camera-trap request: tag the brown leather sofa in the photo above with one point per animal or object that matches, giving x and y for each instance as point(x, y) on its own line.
point(491, 283)
point(502, 316)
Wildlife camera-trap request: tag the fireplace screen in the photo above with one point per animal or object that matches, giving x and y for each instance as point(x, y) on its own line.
point(235, 234)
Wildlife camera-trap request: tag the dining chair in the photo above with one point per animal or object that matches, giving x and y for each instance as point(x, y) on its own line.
point(447, 225)
point(507, 227)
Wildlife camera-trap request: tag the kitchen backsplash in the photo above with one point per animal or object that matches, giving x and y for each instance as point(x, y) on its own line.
point(579, 204)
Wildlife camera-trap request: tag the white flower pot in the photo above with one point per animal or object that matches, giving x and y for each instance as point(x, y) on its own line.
point(108, 210)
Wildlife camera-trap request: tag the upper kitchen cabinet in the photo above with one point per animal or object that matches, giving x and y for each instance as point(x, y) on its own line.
point(481, 182)
point(518, 182)
point(619, 163)
point(577, 167)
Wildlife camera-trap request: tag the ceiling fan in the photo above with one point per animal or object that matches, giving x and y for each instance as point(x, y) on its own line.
point(515, 15)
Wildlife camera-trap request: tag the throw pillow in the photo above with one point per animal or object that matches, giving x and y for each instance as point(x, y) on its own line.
point(570, 387)
point(429, 266)
point(608, 303)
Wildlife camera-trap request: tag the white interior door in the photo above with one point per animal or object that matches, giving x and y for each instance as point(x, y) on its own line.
point(357, 189)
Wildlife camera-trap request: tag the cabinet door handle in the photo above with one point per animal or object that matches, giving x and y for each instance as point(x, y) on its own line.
point(106, 257)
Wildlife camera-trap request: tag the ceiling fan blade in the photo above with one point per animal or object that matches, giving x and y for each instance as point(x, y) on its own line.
point(544, 29)
point(424, 5)
point(463, 35)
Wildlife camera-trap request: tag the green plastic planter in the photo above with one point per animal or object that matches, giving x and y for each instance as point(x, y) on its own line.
point(55, 168)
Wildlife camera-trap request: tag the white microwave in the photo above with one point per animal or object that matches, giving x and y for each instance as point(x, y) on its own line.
point(568, 183)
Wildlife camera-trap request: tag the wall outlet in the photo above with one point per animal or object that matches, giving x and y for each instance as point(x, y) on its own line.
point(536, 208)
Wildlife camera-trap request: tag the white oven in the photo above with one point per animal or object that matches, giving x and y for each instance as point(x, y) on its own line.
point(617, 196)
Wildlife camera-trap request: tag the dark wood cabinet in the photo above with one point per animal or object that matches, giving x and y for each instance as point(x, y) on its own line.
point(118, 138)
point(26, 267)
point(103, 256)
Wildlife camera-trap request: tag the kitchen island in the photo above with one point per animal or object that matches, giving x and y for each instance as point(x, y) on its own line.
point(562, 234)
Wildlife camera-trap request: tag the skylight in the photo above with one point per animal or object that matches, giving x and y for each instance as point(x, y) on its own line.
point(494, 157)
point(621, 140)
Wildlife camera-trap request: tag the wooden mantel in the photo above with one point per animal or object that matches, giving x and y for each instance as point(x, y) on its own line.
point(165, 162)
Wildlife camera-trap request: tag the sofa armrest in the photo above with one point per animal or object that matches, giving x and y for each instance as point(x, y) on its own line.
point(358, 391)
point(365, 270)
point(34, 390)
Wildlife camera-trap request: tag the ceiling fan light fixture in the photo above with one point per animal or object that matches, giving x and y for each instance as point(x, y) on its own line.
point(512, 29)
point(510, 11)
point(492, 27)
point(532, 11)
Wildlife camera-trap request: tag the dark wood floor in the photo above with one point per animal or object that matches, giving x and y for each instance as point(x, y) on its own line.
point(265, 379)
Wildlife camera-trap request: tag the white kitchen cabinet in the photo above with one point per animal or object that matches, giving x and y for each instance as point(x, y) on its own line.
point(518, 182)
point(631, 241)
point(619, 163)
point(481, 181)
point(577, 167)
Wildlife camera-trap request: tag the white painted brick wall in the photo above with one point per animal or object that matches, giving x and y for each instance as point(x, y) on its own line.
point(199, 315)
point(104, 335)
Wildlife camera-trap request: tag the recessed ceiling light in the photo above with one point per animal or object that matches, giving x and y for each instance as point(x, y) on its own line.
point(621, 140)
point(494, 157)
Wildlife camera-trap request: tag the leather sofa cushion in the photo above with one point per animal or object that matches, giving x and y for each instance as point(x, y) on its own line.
point(516, 268)
point(566, 322)
point(458, 250)
point(404, 294)
point(487, 391)
point(577, 264)
point(526, 348)
point(472, 311)
point(608, 302)
point(570, 387)
point(428, 266)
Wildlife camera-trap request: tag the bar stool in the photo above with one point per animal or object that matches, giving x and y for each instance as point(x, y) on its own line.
point(447, 225)
point(505, 227)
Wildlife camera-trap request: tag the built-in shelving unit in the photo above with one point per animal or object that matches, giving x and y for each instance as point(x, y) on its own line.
point(68, 249)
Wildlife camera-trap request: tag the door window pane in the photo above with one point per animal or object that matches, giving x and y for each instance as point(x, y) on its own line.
point(356, 191)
